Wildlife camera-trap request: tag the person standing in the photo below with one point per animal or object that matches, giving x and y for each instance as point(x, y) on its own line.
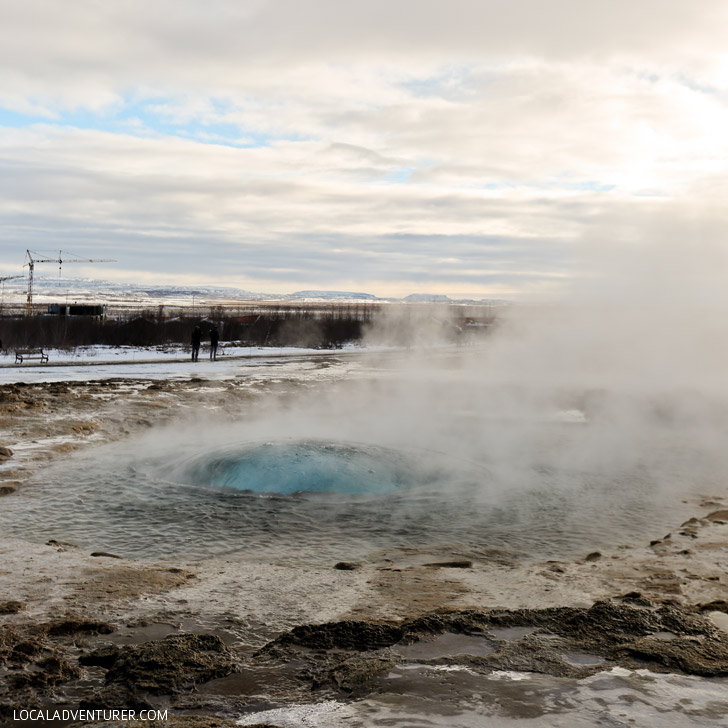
point(196, 339)
point(214, 338)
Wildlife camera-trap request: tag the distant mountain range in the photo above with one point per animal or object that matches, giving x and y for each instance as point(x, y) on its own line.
point(333, 295)
point(88, 288)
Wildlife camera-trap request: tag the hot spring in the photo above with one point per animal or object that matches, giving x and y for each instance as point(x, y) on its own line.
point(303, 467)
point(314, 500)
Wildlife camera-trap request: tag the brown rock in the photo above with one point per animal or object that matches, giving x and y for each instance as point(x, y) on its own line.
point(11, 607)
point(719, 605)
point(53, 670)
point(60, 544)
point(64, 447)
point(172, 664)
point(718, 516)
point(103, 657)
point(26, 650)
point(690, 522)
point(75, 625)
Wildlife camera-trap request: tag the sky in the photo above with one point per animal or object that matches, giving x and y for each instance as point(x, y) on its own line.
point(475, 148)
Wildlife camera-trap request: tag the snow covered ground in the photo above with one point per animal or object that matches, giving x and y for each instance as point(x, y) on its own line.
point(106, 362)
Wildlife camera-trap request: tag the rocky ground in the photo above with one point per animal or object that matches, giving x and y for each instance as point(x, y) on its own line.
point(217, 639)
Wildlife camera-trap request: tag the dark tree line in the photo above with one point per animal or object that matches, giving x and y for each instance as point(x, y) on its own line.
point(153, 328)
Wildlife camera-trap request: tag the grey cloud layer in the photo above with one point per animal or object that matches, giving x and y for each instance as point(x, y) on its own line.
point(41, 33)
point(466, 146)
point(257, 230)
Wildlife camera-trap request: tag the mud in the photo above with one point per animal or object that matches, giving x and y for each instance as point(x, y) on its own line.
point(160, 667)
point(347, 659)
point(347, 656)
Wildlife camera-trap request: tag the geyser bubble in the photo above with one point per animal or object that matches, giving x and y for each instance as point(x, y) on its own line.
point(288, 468)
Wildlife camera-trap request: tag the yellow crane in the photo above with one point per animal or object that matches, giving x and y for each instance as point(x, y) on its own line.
point(30, 261)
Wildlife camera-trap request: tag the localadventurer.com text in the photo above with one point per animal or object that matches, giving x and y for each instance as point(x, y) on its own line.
point(51, 714)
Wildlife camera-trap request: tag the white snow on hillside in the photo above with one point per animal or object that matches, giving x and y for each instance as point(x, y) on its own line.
point(54, 289)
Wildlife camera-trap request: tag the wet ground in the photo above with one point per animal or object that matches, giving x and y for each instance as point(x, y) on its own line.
point(401, 633)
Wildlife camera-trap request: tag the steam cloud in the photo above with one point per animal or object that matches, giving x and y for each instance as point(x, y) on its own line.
point(613, 403)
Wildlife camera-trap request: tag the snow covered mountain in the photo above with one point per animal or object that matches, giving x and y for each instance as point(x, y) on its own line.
point(50, 289)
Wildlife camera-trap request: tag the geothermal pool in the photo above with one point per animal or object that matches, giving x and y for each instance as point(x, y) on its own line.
point(307, 500)
point(321, 487)
point(297, 467)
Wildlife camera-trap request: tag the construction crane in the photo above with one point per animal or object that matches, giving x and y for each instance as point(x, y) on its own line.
point(30, 261)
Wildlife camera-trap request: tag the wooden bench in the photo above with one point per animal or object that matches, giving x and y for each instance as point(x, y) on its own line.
point(22, 354)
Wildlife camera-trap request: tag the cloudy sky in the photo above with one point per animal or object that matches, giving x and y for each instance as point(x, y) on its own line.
point(468, 147)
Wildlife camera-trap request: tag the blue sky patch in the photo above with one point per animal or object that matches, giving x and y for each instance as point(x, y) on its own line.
point(151, 117)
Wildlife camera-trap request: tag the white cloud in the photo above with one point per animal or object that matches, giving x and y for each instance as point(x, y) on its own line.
point(420, 131)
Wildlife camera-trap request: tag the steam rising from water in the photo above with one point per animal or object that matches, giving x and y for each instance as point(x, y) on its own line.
point(324, 499)
point(571, 427)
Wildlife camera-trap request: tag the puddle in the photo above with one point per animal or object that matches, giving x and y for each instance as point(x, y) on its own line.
point(665, 636)
point(422, 696)
point(511, 634)
point(136, 635)
point(720, 620)
point(139, 635)
point(256, 681)
point(582, 659)
point(446, 645)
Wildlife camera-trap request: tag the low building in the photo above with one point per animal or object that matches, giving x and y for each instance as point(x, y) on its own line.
point(76, 309)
